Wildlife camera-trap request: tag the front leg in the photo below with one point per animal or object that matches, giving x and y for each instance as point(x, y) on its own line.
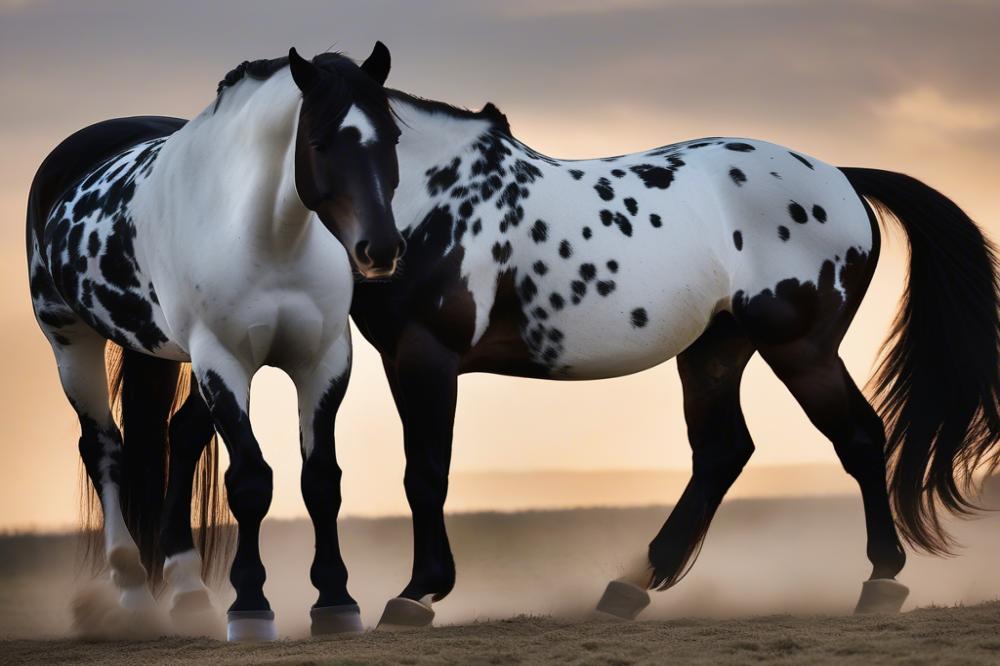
point(424, 381)
point(321, 389)
point(224, 383)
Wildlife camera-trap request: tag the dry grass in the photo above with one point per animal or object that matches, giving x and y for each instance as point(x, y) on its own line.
point(925, 636)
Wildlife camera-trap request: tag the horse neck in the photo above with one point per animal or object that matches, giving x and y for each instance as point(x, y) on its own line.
point(242, 152)
point(429, 140)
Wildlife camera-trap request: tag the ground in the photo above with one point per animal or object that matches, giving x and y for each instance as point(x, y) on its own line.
point(776, 582)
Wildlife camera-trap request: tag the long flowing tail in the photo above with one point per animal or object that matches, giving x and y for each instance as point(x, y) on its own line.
point(937, 385)
point(145, 393)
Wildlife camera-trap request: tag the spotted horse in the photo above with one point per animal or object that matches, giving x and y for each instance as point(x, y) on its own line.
point(226, 242)
point(708, 250)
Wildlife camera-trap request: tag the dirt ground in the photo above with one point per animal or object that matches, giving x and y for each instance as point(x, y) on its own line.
point(776, 581)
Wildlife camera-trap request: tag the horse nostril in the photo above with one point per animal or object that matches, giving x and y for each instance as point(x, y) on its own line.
point(361, 250)
point(400, 248)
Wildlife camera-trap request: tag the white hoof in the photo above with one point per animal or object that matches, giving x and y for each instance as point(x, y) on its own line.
point(126, 568)
point(881, 595)
point(622, 600)
point(137, 598)
point(193, 614)
point(344, 619)
point(251, 626)
point(401, 613)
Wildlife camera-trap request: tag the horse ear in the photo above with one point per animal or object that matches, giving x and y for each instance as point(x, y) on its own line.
point(304, 73)
point(378, 63)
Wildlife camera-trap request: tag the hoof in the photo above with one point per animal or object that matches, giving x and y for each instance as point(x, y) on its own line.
point(251, 626)
point(623, 600)
point(881, 595)
point(403, 613)
point(126, 568)
point(344, 619)
point(137, 598)
point(193, 614)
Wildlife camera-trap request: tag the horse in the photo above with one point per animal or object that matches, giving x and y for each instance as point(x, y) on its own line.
point(710, 250)
point(226, 242)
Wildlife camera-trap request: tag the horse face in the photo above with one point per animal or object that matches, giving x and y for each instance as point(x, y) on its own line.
point(345, 157)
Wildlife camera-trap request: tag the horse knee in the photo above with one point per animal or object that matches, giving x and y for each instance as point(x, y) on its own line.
point(723, 463)
point(249, 486)
point(191, 428)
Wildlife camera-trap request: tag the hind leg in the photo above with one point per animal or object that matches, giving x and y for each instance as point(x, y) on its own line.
point(80, 358)
point(820, 383)
point(191, 429)
point(710, 371)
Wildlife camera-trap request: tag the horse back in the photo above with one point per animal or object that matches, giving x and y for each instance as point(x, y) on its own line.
point(81, 152)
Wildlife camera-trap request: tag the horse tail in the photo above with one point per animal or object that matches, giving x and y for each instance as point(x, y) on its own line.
point(937, 384)
point(145, 392)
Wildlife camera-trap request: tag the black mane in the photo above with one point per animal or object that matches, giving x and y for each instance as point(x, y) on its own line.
point(489, 112)
point(368, 93)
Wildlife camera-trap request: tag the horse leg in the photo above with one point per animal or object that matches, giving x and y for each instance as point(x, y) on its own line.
point(191, 429)
point(832, 401)
point(82, 373)
point(424, 381)
point(710, 371)
point(321, 391)
point(225, 386)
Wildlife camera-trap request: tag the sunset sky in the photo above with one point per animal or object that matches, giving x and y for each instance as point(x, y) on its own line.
point(908, 85)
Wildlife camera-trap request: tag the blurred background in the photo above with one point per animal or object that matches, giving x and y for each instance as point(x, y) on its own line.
point(908, 85)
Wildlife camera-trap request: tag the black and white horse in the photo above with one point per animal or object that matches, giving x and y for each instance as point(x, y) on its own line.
point(219, 242)
point(709, 250)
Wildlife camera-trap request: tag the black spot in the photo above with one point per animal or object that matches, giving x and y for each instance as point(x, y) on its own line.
point(587, 233)
point(466, 209)
point(740, 147)
point(540, 267)
point(576, 173)
point(639, 317)
point(738, 176)
point(623, 224)
point(657, 176)
point(557, 302)
point(537, 335)
point(93, 244)
point(588, 271)
point(798, 213)
point(776, 175)
point(501, 253)
point(579, 288)
point(459, 192)
point(607, 217)
point(631, 205)
point(613, 266)
point(565, 249)
point(819, 213)
point(525, 172)
point(131, 312)
point(540, 313)
point(802, 159)
point(605, 287)
point(460, 228)
point(528, 289)
point(617, 173)
point(575, 300)
point(539, 232)
point(655, 220)
point(604, 189)
point(440, 179)
point(477, 226)
point(783, 232)
point(551, 354)
point(738, 240)
point(555, 335)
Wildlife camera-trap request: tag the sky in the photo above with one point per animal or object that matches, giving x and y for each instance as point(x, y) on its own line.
point(907, 85)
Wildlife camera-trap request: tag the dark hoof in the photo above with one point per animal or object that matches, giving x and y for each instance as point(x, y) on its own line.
point(251, 626)
point(403, 613)
point(344, 619)
point(881, 595)
point(623, 600)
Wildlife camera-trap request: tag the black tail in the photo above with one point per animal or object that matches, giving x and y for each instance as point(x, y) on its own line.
point(937, 385)
point(145, 392)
